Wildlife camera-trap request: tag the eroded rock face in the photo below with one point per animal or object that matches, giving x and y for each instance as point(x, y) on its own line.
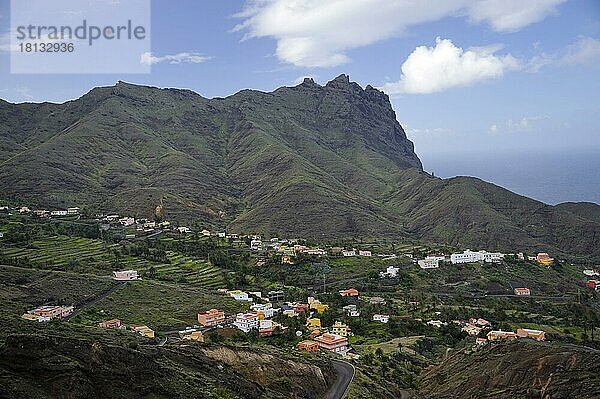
point(310, 381)
point(516, 370)
point(59, 367)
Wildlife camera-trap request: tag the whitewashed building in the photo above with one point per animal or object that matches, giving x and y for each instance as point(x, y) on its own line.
point(265, 308)
point(391, 272)
point(429, 263)
point(125, 275)
point(383, 318)
point(246, 321)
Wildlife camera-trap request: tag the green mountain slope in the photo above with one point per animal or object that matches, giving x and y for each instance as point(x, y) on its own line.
point(309, 160)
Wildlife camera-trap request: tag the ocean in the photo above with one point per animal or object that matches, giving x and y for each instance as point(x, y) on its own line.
point(551, 177)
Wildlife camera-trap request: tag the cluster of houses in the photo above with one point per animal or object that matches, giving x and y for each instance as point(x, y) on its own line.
point(467, 256)
point(261, 312)
point(48, 312)
point(43, 212)
point(144, 330)
point(592, 282)
point(500, 335)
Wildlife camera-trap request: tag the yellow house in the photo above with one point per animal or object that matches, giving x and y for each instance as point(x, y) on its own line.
point(143, 330)
point(340, 329)
point(313, 323)
point(196, 336)
point(287, 259)
point(319, 307)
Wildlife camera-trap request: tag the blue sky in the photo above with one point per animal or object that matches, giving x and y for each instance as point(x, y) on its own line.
point(463, 76)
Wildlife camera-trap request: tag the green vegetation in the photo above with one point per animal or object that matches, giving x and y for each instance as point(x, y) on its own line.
point(322, 162)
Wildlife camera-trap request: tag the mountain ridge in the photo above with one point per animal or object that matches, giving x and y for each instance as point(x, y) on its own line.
point(316, 161)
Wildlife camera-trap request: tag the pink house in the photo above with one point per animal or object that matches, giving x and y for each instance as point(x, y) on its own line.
point(125, 275)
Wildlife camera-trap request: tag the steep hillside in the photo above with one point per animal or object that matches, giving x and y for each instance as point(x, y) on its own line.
point(58, 367)
point(516, 370)
point(309, 160)
point(586, 210)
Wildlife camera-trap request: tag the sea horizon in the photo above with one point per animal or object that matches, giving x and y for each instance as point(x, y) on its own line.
point(552, 177)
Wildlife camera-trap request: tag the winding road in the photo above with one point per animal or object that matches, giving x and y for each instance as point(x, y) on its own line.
point(345, 374)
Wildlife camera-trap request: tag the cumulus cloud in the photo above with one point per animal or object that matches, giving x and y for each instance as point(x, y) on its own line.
point(434, 69)
point(316, 33)
point(179, 58)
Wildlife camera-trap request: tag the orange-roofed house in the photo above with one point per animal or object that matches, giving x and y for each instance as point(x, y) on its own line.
point(114, 323)
point(332, 342)
point(501, 335)
point(538, 335)
point(522, 291)
point(349, 292)
point(307, 345)
point(314, 333)
point(212, 317)
point(45, 313)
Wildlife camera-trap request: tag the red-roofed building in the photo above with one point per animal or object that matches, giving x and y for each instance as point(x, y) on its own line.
point(307, 345)
point(332, 342)
point(114, 323)
point(349, 292)
point(212, 317)
point(522, 291)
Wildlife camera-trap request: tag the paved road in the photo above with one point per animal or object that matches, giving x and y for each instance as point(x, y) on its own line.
point(345, 374)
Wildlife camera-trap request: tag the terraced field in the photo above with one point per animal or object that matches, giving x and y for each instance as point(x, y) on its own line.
point(183, 269)
point(97, 257)
point(66, 253)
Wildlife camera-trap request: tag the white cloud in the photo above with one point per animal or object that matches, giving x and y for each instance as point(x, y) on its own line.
point(179, 58)
point(511, 15)
point(584, 51)
point(520, 125)
point(434, 69)
point(316, 33)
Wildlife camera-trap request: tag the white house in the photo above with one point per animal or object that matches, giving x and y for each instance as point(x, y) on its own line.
point(73, 211)
point(383, 318)
point(428, 263)
point(492, 257)
point(315, 251)
point(221, 234)
point(184, 229)
point(1, 234)
point(364, 253)
point(256, 245)
point(240, 296)
point(467, 256)
point(58, 213)
point(391, 272)
point(127, 221)
point(351, 310)
point(591, 272)
point(349, 252)
point(436, 323)
point(246, 321)
point(125, 275)
point(265, 308)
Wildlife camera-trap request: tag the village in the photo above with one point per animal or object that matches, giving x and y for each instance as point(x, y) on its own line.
point(269, 313)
